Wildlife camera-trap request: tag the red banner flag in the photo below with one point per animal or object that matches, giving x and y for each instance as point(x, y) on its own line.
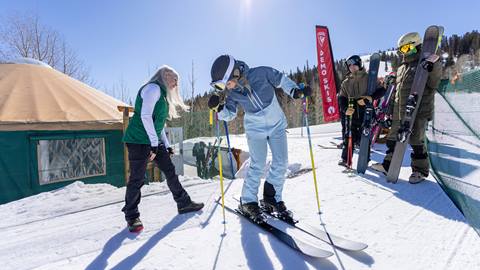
point(326, 75)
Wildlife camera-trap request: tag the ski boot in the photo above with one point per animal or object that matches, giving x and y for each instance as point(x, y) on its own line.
point(191, 207)
point(135, 225)
point(416, 177)
point(252, 211)
point(379, 168)
point(279, 210)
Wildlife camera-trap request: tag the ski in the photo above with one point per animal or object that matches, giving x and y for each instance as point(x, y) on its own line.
point(327, 146)
point(326, 237)
point(299, 172)
point(211, 156)
point(381, 112)
point(363, 155)
point(338, 145)
point(349, 136)
point(300, 245)
point(428, 58)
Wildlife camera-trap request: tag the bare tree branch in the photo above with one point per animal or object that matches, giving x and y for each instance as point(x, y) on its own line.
point(23, 35)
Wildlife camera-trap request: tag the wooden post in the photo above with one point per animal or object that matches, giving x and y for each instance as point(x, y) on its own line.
point(126, 119)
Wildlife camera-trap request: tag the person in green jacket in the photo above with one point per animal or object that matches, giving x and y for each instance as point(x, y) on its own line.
point(354, 89)
point(145, 137)
point(410, 46)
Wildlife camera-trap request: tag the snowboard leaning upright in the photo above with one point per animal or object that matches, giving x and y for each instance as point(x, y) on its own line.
point(431, 43)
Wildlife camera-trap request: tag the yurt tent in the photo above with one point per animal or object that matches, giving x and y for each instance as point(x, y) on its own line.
point(55, 130)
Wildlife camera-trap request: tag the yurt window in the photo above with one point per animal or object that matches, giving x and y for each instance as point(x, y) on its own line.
point(70, 159)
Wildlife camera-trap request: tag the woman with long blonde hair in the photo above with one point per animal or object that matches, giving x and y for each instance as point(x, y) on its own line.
point(146, 140)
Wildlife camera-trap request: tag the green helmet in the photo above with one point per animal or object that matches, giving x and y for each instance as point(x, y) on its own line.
point(410, 38)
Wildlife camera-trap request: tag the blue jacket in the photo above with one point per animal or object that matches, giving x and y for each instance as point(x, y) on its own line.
point(263, 81)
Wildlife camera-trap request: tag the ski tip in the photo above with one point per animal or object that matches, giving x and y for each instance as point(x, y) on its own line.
point(325, 255)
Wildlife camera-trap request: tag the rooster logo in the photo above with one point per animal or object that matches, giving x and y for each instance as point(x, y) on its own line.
point(321, 38)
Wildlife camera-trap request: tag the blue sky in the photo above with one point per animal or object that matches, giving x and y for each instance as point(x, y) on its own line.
point(129, 39)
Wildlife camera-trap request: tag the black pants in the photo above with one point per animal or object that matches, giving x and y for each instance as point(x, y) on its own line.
point(356, 129)
point(138, 155)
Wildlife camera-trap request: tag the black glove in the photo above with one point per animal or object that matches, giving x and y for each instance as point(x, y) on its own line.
point(214, 103)
point(300, 93)
point(154, 149)
point(170, 151)
point(297, 93)
point(387, 122)
point(307, 91)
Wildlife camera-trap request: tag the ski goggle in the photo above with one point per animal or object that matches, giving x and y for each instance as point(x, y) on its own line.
point(351, 62)
point(407, 48)
point(219, 85)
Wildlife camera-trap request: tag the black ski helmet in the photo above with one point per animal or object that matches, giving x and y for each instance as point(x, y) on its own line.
point(354, 60)
point(222, 69)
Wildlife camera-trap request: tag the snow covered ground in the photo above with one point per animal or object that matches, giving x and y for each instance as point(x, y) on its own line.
point(81, 226)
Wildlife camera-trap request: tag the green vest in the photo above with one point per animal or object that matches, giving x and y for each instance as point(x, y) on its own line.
point(136, 132)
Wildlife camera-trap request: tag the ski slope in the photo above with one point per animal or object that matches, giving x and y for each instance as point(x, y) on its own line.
point(81, 226)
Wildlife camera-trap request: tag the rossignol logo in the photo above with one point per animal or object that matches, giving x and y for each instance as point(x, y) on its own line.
point(321, 38)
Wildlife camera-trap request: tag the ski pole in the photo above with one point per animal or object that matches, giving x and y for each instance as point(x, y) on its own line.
point(229, 149)
point(219, 156)
point(211, 118)
point(350, 143)
point(305, 114)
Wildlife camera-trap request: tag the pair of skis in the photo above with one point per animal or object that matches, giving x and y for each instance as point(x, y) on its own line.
point(382, 112)
point(280, 229)
point(211, 156)
point(333, 145)
point(431, 43)
point(369, 115)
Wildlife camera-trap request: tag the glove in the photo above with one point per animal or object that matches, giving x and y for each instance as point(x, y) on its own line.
point(349, 111)
point(361, 101)
point(170, 151)
point(387, 123)
point(307, 91)
point(154, 149)
point(214, 103)
point(297, 93)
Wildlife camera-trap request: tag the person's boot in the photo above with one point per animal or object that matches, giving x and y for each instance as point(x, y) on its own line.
point(190, 207)
point(135, 225)
point(379, 168)
point(343, 163)
point(252, 211)
point(416, 177)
